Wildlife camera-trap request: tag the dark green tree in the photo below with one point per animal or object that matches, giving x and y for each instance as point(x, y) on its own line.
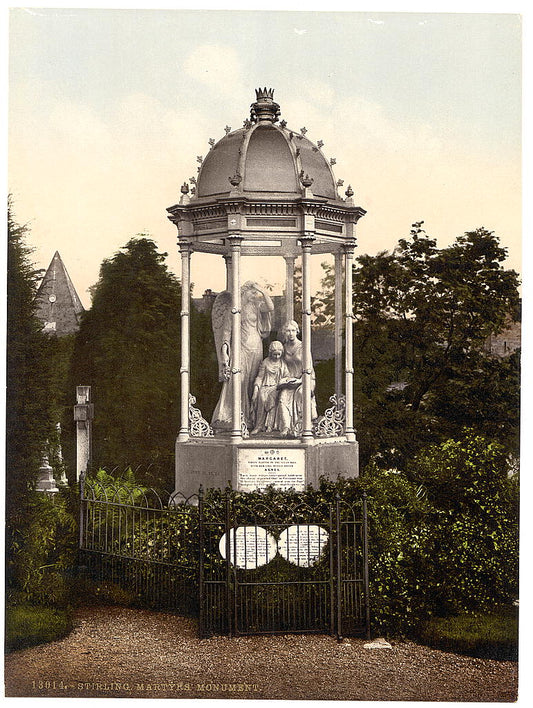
point(423, 315)
point(128, 351)
point(29, 369)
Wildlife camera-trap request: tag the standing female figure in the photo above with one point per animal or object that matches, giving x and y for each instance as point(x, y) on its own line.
point(290, 401)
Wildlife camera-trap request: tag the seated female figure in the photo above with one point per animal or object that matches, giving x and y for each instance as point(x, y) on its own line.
point(265, 393)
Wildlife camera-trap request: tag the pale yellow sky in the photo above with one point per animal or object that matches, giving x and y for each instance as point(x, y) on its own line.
point(109, 109)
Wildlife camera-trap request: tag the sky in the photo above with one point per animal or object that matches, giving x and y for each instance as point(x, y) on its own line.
point(108, 110)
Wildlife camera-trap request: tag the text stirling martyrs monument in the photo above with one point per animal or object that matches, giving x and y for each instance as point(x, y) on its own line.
point(266, 190)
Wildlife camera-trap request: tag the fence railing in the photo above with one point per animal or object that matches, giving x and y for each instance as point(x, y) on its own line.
point(241, 565)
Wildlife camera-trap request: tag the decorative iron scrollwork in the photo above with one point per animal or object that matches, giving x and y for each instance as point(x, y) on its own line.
point(332, 423)
point(198, 425)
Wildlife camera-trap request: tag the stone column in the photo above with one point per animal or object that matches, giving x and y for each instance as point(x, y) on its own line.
point(307, 430)
point(289, 287)
point(185, 251)
point(83, 415)
point(236, 374)
point(348, 339)
point(227, 258)
point(338, 324)
point(62, 481)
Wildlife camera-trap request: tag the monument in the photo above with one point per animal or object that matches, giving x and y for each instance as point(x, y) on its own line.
point(266, 190)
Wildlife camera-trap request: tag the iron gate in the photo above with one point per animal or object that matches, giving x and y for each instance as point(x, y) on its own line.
point(271, 569)
point(241, 565)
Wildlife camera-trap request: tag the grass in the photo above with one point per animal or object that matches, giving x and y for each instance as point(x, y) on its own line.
point(27, 625)
point(488, 636)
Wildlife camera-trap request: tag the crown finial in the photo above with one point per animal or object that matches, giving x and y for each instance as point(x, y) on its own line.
point(264, 108)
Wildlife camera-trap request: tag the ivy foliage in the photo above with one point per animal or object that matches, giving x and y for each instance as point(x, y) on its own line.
point(443, 534)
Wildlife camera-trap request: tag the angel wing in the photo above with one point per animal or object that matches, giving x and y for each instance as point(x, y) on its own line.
point(221, 321)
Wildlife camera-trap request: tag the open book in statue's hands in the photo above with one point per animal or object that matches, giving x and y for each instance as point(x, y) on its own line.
point(289, 383)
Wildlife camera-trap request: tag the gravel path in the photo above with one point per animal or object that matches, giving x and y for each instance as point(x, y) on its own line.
point(118, 652)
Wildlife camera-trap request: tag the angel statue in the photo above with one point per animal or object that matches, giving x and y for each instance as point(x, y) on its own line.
point(256, 323)
point(290, 399)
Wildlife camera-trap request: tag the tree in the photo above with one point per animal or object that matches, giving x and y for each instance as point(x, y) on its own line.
point(128, 351)
point(29, 369)
point(423, 315)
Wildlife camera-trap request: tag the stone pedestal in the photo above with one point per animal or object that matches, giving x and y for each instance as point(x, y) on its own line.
point(256, 463)
point(45, 480)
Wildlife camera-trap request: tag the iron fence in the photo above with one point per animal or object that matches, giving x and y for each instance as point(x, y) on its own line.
point(243, 566)
point(135, 538)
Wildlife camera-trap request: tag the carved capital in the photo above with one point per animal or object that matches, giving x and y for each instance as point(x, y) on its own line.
point(185, 248)
point(349, 247)
point(307, 241)
point(235, 241)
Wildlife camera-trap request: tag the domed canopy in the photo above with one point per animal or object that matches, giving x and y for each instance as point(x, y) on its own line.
point(265, 157)
point(269, 184)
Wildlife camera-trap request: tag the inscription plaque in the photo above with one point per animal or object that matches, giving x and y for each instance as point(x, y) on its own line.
point(302, 544)
point(249, 547)
point(283, 468)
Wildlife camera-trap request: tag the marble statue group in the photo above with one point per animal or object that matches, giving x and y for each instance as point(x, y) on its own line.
point(271, 389)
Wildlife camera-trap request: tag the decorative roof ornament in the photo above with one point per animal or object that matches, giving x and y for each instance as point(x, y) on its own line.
point(333, 161)
point(235, 180)
point(340, 182)
point(349, 191)
point(264, 108)
point(211, 142)
point(192, 180)
point(199, 159)
point(303, 130)
point(227, 129)
point(247, 124)
point(306, 180)
point(283, 123)
point(320, 143)
point(185, 188)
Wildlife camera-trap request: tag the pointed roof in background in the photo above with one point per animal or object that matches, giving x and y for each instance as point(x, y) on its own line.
point(58, 306)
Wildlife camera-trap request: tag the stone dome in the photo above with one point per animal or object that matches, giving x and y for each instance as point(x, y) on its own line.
point(265, 157)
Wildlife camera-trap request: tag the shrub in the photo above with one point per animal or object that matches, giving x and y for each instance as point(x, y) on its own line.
point(42, 547)
point(443, 539)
